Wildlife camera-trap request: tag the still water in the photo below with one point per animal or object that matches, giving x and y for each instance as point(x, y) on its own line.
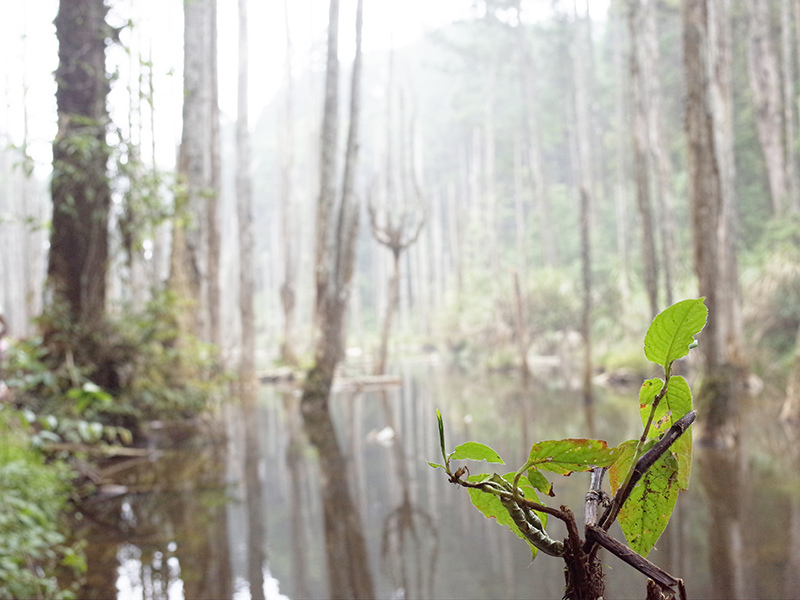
point(231, 508)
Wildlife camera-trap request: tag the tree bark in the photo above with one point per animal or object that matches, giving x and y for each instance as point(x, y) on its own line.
point(287, 290)
point(532, 137)
point(787, 74)
point(641, 145)
point(765, 85)
point(193, 273)
point(707, 56)
point(78, 259)
point(580, 42)
point(620, 155)
point(337, 222)
point(244, 205)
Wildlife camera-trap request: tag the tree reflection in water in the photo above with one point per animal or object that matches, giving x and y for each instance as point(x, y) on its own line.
point(214, 520)
point(152, 542)
point(410, 539)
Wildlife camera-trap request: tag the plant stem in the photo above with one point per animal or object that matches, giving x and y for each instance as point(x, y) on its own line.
point(641, 466)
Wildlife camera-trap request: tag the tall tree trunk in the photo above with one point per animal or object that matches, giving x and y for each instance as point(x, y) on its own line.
point(707, 56)
point(765, 85)
point(532, 137)
point(287, 291)
point(78, 258)
point(580, 42)
point(193, 268)
point(787, 73)
point(337, 223)
point(244, 205)
point(620, 152)
point(641, 146)
point(214, 238)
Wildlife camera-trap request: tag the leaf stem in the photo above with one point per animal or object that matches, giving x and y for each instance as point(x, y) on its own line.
point(625, 488)
point(640, 466)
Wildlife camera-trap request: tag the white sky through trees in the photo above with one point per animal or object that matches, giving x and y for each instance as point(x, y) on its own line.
point(29, 56)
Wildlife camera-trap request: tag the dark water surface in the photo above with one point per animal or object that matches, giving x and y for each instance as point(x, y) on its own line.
point(232, 509)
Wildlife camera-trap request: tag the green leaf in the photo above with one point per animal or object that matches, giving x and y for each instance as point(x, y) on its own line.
point(566, 456)
point(674, 405)
point(618, 471)
point(475, 451)
point(540, 482)
point(441, 435)
point(435, 465)
point(646, 512)
point(492, 508)
point(673, 330)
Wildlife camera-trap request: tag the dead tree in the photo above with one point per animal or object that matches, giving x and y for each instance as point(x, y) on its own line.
point(397, 226)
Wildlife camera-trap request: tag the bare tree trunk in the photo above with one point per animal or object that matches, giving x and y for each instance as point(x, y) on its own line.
point(707, 56)
point(214, 241)
point(337, 223)
point(532, 131)
point(765, 85)
point(583, 128)
point(396, 227)
point(391, 306)
point(192, 269)
point(80, 188)
point(244, 205)
point(641, 145)
point(620, 151)
point(287, 291)
point(787, 73)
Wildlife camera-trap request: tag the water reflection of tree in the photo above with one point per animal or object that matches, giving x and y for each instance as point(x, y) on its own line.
point(408, 528)
point(256, 519)
point(171, 525)
point(295, 461)
point(720, 474)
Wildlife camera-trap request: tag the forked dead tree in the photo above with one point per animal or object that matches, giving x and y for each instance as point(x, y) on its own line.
point(397, 231)
point(397, 224)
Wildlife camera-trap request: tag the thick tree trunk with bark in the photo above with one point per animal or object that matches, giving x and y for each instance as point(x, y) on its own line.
point(194, 264)
point(707, 56)
point(78, 258)
point(337, 222)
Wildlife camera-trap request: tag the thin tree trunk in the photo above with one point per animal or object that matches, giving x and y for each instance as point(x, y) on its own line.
point(287, 291)
point(620, 151)
point(641, 145)
point(532, 128)
point(787, 73)
point(244, 206)
point(765, 85)
point(583, 129)
point(214, 239)
point(391, 306)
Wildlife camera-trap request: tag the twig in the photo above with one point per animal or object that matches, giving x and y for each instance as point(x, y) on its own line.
point(638, 562)
point(594, 497)
point(645, 462)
